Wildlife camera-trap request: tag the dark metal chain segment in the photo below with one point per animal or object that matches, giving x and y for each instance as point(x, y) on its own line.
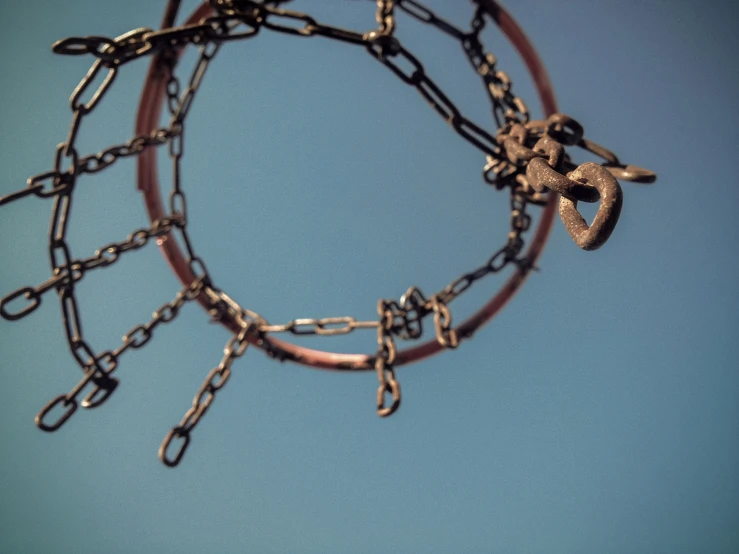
point(214, 381)
point(528, 158)
point(179, 106)
point(385, 16)
point(507, 107)
point(384, 361)
point(99, 367)
point(103, 257)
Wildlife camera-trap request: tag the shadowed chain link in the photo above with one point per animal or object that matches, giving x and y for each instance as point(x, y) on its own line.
point(526, 157)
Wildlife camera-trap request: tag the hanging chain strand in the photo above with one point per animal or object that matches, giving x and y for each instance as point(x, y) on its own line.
point(529, 158)
point(214, 381)
point(507, 107)
point(179, 107)
point(106, 363)
point(385, 16)
point(384, 362)
point(103, 257)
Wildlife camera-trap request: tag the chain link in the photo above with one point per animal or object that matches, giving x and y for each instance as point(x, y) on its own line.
point(325, 326)
point(526, 157)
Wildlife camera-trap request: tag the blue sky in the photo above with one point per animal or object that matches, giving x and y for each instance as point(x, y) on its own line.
point(599, 412)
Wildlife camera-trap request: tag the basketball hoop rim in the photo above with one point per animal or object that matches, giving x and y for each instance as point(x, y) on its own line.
point(149, 114)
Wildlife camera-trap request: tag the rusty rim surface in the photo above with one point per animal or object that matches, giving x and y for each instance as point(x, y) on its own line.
point(153, 99)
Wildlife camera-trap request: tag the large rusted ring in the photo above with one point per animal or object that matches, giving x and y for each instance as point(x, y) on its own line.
point(150, 109)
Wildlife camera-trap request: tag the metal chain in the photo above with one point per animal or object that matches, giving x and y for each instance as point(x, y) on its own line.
point(526, 157)
point(214, 381)
point(179, 107)
point(384, 362)
point(99, 368)
point(385, 16)
point(325, 326)
point(445, 334)
point(57, 181)
point(425, 15)
point(97, 162)
point(103, 257)
point(507, 107)
point(59, 251)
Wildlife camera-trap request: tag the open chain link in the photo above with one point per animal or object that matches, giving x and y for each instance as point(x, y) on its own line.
point(526, 157)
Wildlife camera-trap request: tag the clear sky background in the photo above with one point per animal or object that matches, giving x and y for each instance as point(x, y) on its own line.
point(599, 412)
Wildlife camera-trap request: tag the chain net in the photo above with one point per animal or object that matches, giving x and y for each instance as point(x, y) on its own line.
point(527, 159)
